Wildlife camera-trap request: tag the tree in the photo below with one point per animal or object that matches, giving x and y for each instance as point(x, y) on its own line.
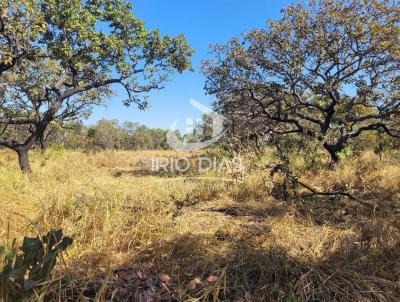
point(106, 134)
point(328, 70)
point(20, 25)
point(71, 135)
point(74, 55)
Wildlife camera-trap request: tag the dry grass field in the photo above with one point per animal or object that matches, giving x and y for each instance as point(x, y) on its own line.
point(135, 231)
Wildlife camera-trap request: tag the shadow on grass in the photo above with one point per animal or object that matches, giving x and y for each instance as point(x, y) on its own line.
point(359, 270)
point(138, 173)
point(362, 267)
point(256, 213)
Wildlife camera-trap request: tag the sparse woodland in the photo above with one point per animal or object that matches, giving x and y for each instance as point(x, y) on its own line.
point(307, 207)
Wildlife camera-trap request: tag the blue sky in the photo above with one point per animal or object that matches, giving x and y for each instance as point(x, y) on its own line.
point(203, 22)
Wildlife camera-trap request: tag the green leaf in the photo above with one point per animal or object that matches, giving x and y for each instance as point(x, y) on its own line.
point(33, 250)
point(17, 273)
point(291, 299)
point(65, 243)
point(29, 284)
point(52, 238)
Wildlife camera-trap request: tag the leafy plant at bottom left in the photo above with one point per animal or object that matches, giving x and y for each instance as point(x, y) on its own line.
point(24, 268)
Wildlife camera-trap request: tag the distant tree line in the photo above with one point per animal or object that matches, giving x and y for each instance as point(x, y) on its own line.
point(106, 135)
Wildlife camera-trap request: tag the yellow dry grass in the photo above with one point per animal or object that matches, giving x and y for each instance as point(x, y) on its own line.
point(262, 248)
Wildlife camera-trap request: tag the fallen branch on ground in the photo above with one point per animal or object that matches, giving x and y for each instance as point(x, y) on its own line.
point(284, 169)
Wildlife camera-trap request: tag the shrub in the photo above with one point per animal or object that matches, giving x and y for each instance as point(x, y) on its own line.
point(23, 269)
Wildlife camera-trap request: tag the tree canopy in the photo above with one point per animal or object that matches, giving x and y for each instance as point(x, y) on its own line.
point(59, 58)
point(328, 70)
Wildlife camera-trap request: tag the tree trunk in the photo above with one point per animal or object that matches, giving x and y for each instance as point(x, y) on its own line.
point(23, 159)
point(333, 151)
point(43, 146)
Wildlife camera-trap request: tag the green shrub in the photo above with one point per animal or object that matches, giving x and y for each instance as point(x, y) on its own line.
point(23, 269)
